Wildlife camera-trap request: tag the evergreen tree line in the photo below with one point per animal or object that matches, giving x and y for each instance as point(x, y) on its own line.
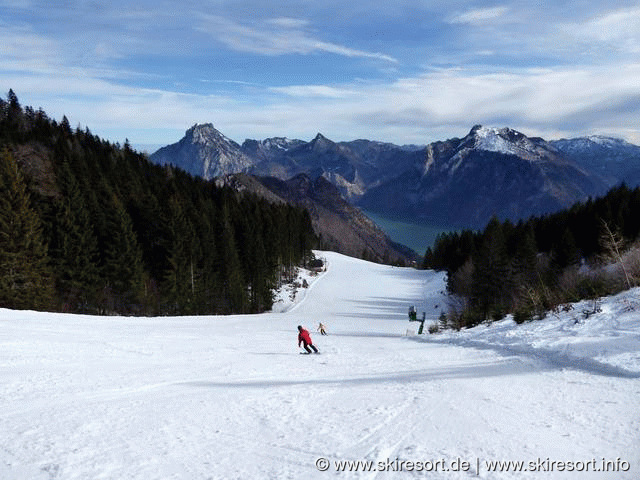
point(93, 227)
point(537, 265)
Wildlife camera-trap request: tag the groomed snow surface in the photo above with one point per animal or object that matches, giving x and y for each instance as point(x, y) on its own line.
point(231, 397)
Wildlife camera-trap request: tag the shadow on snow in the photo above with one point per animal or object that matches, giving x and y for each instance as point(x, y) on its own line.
point(475, 370)
point(550, 357)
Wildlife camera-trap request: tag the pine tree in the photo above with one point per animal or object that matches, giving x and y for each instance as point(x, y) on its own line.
point(565, 251)
point(75, 250)
point(15, 118)
point(232, 289)
point(491, 279)
point(207, 293)
point(25, 275)
point(180, 278)
point(525, 257)
point(613, 246)
point(123, 267)
point(105, 231)
point(256, 268)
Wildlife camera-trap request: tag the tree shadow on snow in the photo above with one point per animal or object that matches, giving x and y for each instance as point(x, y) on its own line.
point(550, 359)
point(382, 308)
point(474, 370)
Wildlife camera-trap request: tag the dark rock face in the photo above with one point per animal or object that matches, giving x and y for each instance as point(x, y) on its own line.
point(611, 159)
point(340, 226)
point(204, 152)
point(457, 182)
point(464, 182)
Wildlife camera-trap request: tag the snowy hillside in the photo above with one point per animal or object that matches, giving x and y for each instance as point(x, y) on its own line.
point(509, 142)
point(231, 398)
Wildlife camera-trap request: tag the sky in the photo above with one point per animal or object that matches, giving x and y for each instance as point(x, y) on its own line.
point(406, 71)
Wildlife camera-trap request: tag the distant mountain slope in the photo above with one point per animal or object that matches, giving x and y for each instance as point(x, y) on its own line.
point(204, 152)
point(464, 182)
point(340, 226)
point(610, 158)
point(353, 167)
point(457, 182)
point(308, 174)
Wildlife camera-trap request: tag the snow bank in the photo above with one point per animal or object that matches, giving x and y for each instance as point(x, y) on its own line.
point(605, 341)
point(289, 295)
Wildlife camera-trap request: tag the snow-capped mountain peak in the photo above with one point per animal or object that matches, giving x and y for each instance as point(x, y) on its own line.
point(280, 143)
point(509, 142)
point(596, 145)
point(321, 142)
point(493, 140)
point(609, 142)
point(597, 141)
point(205, 134)
point(205, 152)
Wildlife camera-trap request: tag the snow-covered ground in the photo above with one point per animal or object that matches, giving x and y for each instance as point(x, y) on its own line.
point(231, 398)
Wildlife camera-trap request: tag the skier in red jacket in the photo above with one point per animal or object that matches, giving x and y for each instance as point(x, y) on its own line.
point(305, 338)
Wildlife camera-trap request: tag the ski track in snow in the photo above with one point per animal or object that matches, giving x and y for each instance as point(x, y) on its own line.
point(230, 397)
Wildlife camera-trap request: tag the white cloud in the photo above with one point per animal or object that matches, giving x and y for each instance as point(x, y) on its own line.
point(286, 22)
point(23, 49)
point(526, 96)
point(310, 91)
point(554, 101)
point(547, 102)
point(567, 100)
point(619, 29)
point(479, 15)
point(279, 36)
point(617, 25)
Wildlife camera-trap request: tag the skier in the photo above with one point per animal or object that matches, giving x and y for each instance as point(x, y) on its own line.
point(321, 329)
point(305, 338)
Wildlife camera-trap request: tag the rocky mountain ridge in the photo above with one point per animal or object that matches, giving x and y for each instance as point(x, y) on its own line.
point(456, 182)
point(613, 159)
point(501, 172)
point(340, 226)
point(204, 152)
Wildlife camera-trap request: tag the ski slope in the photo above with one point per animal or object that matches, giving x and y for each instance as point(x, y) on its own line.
point(231, 398)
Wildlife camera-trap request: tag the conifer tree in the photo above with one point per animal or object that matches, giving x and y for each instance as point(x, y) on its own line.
point(74, 249)
point(25, 276)
point(123, 267)
point(180, 278)
point(565, 251)
point(208, 299)
point(525, 256)
point(256, 270)
point(233, 294)
point(491, 275)
point(104, 228)
point(14, 122)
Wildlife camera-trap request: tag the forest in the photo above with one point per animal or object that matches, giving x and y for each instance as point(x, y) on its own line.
point(543, 263)
point(88, 226)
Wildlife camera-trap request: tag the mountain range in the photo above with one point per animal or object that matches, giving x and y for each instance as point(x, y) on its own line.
point(459, 182)
point(340, 226)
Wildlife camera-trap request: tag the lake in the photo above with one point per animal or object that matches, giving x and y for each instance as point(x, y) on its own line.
point(418, 236)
